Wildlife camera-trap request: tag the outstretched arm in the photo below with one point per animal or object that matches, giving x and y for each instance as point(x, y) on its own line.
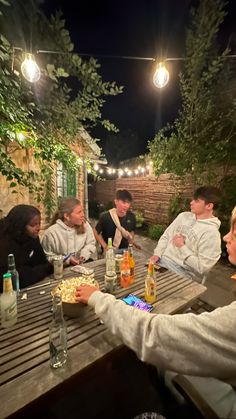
point(89, 247)
point(186, 343)
point(99, 238)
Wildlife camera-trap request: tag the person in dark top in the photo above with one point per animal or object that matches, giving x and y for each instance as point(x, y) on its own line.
point(19, 232)
point(118, 223)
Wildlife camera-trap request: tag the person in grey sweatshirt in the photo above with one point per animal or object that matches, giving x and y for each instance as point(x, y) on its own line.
point(70, 235)
point(191, 245)
point(203, 346)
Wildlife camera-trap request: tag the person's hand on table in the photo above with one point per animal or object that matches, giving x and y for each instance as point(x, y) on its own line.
point(84, 292)
point(178, 240)
point(74, 261)
point(154, 259)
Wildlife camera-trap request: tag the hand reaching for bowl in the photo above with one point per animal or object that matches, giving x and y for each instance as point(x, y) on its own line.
point(84, 292)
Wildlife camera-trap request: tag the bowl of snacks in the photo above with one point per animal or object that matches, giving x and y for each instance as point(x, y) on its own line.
point(67, 289)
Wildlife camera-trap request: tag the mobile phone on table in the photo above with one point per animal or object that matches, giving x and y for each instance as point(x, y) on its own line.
point(159, 268)
point(134, 301)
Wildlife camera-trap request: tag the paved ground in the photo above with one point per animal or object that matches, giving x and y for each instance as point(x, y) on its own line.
point(219, 285)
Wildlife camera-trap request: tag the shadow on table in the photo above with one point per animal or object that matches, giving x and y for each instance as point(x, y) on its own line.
point(117, 388)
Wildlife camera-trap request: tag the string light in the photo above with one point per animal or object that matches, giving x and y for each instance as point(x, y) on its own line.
point(161, 76)
point(140, 170)
point(30, 69)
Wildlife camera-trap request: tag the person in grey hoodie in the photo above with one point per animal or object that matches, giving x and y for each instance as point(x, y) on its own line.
point(202, 346)
point(191, 245)
point(70, 235)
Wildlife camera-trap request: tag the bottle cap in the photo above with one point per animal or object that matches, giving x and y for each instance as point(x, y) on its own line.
point(7, 275)
point(109, 242)
point(7, 283)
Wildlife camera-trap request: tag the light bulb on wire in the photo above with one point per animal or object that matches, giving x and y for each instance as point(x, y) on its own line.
point(161, 76)
point(30, 69)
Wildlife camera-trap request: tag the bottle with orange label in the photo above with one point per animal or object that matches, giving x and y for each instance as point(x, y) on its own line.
point(131, 262)
point(125, 271)
point(150, 285)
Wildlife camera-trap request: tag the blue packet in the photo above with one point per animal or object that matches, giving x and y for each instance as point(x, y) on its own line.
point(134, 301)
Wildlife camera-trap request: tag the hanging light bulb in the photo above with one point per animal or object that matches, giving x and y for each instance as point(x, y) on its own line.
point(30, 68)
point(161, 76)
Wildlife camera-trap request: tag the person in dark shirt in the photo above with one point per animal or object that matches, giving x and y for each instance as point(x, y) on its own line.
point(19, 232)
point(118, 223)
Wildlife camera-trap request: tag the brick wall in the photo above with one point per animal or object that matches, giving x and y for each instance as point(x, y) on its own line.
point(151, 195)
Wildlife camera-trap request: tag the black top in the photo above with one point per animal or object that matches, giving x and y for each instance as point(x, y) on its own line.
point(31, 261)
point(107, 227)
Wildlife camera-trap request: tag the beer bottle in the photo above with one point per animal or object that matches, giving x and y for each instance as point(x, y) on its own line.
point(8, 302)
point(14, 273)
point(131, 262)
point(110, 259)
point(150, 285)
point(125, 271)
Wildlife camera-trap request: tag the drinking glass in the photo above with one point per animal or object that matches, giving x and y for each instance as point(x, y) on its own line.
point(58, 267)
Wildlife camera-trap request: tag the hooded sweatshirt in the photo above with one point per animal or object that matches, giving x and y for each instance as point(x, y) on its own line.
point(61, 239)
point(202, 248)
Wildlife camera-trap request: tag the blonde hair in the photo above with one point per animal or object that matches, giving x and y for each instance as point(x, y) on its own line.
point(67, 206)
point(233, 218)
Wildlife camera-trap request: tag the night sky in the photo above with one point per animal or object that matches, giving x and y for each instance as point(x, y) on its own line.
point(148, 28)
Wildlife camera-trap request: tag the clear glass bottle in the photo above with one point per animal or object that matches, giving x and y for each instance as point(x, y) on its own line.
point(58, 266)
point(110, 276)
point(8, 302)
point(150, 285)
point(110, 259)
point(14, 273)
point(57, 335)
point(131, 262)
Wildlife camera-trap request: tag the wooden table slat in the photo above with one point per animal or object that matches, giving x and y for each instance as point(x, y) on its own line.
point(24, 355)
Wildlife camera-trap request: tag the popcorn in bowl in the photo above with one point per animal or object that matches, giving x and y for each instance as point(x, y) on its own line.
point(67, 288)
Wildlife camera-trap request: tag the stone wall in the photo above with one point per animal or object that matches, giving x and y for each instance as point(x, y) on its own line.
point(8, 199)
point(151, 195)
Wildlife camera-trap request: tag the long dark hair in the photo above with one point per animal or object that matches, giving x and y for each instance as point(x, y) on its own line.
point(14, 224)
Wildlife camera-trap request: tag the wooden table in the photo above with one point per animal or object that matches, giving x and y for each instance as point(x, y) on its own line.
point(25, 372)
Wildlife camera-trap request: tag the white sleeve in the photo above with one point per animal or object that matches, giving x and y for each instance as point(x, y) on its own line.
point(166, 237)
point(209, 251)
point(201, 345)
point(48, 242)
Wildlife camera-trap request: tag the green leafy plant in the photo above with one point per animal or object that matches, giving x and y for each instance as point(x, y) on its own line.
point(177, 204)
point(203, 136)
point(139, 218)
point(155, 231)
point(50, 126)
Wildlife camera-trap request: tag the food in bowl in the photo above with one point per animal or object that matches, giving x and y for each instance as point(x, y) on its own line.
point(67, 288)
